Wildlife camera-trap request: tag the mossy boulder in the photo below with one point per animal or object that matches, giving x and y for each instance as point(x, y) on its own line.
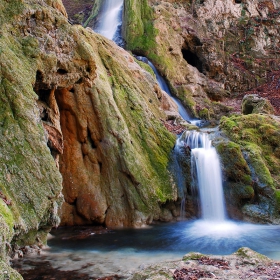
point(252, 104)
point(6, 272)
point(251, 164)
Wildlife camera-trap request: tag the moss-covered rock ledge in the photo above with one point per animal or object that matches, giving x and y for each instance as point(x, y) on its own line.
point(251, 158)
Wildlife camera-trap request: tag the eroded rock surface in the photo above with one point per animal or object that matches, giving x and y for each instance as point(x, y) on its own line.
point(243, 264)
point(253, 104)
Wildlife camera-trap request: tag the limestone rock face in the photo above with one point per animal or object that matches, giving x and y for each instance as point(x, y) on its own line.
point(30, 182)
point(208, 50)
point(75, 102)
point(250, 163)
point(252, 104)
point(116, 148)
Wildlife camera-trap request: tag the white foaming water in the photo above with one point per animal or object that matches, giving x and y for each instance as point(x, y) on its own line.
point(111, 18)
point(208, 174)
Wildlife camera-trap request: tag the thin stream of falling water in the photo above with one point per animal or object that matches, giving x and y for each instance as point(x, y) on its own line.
point(163, 85)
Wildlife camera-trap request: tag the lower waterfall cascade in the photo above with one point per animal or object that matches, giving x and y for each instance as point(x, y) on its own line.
point(207, 172)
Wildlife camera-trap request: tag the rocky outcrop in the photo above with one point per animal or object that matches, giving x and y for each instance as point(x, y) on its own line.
point(250, 158)
point(114, 151)
point(75, 102)
point(244, 263)
point(208, 50)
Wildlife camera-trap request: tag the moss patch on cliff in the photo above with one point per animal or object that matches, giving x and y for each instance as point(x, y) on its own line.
point(29, 178)
point(150, 143)
point(7, 273)
point(257, 135)
point(235, 167)
point(138, 30)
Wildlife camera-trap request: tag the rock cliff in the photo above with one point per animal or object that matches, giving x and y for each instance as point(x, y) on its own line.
point(210, 51)
point(250, 157)
point(74, 103)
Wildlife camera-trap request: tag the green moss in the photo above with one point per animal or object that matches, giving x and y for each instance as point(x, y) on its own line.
point(249, 254)
point(259, 165)
point(94, 12)
point(151, 143)
point(228, 124)
point(139, 31)
point(243, 192)
point(277, 197)
point(257, 135)
point(235, 166)
point(204, 114)
point(146, 67)
point(7, 215)
point(186, 97)
point(29, 177)
point(7, 273)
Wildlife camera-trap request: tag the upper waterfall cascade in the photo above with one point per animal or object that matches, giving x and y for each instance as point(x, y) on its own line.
point(206, 165)
point(111, 18)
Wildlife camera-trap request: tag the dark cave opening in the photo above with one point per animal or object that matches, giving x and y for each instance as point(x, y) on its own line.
point(192, 59)
point(238, 1)
point(247, 109)
point(62, 71)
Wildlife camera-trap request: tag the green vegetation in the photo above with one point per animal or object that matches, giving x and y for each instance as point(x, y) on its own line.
point(235, 166)
point(152, 143)
point(7, 273)
point(139, 31)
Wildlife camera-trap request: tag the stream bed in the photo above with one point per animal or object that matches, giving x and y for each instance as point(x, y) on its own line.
point(91, 253)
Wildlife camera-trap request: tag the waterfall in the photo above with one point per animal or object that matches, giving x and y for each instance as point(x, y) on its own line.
point(206, 165)
point(111, 19)
point(204, 156)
